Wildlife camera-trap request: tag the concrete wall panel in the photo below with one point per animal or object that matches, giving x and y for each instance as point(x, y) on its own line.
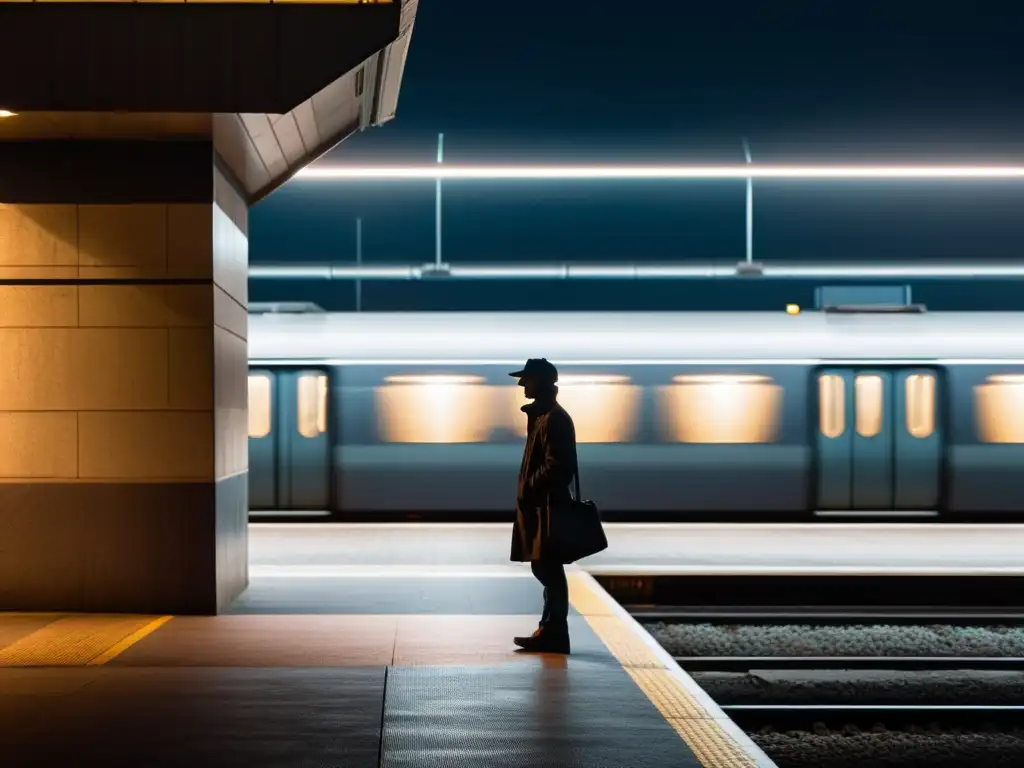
point(38, 235)
point(190, 240)
point(230, 240)
point(146, 445)
point(38, 369)
point(38, 306)
point(109, 547)
point(231, 382)
point(145, 306)
point(123, 240)
point(120, 368)
point(232, 495)
point(39, 444)
point(229, 314)
point(191, 368)
point(38, 273)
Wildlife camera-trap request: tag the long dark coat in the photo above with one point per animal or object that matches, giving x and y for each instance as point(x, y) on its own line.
point(549, 464)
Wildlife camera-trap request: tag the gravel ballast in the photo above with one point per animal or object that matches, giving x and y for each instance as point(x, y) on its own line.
point(948, 688)
point(824, 748)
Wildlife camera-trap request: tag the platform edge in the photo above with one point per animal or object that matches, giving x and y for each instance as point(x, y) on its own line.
point(737, 734)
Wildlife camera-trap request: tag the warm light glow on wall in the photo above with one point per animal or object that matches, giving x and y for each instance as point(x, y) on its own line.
point(604, 408)
point(723, 409)
point(439, 380)
point(435, 409)
point(999, 407)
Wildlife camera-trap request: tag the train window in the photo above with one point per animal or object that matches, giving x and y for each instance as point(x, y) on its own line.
point(919, 399)
point(831, 405)
point(603, 408)
point(868, 402)
point(435, 409)
point(312, 404)
point(259, 405)
point(999, 406)
point(724, 409)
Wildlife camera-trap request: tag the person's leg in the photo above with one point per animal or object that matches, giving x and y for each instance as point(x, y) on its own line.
point(553, 635)
point(558, 597)
point(541, 574)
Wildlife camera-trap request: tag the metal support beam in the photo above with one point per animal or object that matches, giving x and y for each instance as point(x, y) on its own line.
point(359, 264)
point(744, 270)
point(750, 206)
point(437, 204)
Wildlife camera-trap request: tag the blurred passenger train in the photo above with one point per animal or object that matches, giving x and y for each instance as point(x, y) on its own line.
point(720, 416)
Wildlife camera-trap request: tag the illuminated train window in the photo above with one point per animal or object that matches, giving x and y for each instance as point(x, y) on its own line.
point(604, 409)
point(312, 404)
point(868, 399)
point(999, 408)
point(259, 406)
point(723, 409)
point(919, 397)
point(831, 405)
point(435, 409)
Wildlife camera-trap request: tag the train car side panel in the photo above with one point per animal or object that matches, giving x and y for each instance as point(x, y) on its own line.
point(987, 450)
point(652, 439)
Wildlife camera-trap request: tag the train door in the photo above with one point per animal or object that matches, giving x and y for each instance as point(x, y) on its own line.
point(289, 447)
point(262, 440)
point(303, 476)
point(879, 439)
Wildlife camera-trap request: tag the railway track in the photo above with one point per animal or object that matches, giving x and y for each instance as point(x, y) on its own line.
point(893, 717)
point(831, 616)
point(888, 663)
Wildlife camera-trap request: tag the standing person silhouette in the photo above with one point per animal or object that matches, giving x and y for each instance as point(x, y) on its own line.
point(548, 467)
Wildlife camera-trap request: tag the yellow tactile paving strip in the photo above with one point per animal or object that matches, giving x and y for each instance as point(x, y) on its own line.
point(78, 641)
point(710, 743)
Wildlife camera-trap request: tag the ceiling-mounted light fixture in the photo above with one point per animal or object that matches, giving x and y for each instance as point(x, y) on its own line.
point(678, 172)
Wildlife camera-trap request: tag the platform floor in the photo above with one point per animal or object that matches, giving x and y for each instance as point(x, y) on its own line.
point(360, 671)
point(291, 549)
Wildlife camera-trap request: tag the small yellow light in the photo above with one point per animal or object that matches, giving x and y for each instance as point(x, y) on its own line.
point(7, 113)
point(792, 309)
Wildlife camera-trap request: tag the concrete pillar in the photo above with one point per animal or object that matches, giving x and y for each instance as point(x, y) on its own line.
point(123, 378)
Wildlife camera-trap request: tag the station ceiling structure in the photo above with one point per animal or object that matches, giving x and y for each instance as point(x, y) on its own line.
point(273, 84)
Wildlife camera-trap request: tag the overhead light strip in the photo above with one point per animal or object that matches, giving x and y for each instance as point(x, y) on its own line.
point(658, 172)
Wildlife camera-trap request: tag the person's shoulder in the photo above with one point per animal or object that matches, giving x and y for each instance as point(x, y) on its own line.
point(558, 413)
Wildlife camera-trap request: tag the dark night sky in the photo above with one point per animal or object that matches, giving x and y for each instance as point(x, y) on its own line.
point(676, 82)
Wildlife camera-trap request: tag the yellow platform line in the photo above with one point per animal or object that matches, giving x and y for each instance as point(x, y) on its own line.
point(78, 641)
point(705, 737)
point(128, 642)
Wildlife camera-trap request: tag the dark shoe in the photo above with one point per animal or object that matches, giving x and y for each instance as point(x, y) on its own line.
point(523, 642)
point(545, 641)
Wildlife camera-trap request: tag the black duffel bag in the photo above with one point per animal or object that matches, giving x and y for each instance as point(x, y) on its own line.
point(575, 530)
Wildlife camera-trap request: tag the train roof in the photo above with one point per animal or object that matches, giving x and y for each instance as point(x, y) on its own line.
point(605, 337)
